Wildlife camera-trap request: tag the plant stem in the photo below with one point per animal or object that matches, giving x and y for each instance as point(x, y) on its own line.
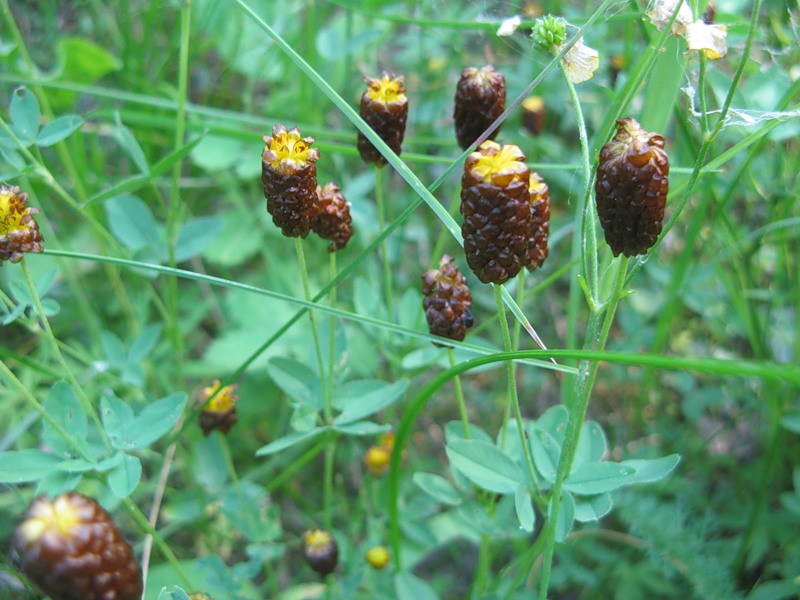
point(327, 489)
point(387, 267)
point(51, 338)
point(462, 407)
point(175, 204)
point(512, 393)
point(577, 413)
point(166, 551)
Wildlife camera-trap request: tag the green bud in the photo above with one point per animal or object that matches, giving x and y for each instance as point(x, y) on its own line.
point(549, 32)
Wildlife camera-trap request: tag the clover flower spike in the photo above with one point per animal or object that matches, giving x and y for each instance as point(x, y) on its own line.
point(19, 232)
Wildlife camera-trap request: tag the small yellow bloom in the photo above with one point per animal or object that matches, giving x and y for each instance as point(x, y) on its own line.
point(386, 90)
point(580, 62)
point(497, 164)
point(378, 557)
point(220, 411)
point(286, 151)
point(19, 232)
point(377, 460)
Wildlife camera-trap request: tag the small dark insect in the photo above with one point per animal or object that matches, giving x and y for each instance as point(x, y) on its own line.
point(468, 320)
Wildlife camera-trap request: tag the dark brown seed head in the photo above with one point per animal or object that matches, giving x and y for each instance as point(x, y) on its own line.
point(540, 221)
point(447, 300)
point(384, 107)
point(480, 99)
point(72, 549)
point(495, 203)
point(631, 188)
point(289, 175)
point(220, 411)
point(19, 232)
point(320, 551)
point(333, 221)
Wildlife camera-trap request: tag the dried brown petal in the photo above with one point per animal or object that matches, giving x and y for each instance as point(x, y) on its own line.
point(540, 223)
point(447, 300)
point(333, 221)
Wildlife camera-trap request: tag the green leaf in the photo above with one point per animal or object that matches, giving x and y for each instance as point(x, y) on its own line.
point(196, 235)
point(113, 348)
point(598, 477)
point(132, 223)
point(57, 482)
point(546, 452)
point(361, 428)
point(295, 379)
point(65, 408)
point(76, 465)
point(58, 129)
point(566, 516)
point(485, 465)
point(124, 478)
point(554, 422)
point(379, 396)
point(117, 416)
point(454, 430)
point(144, 343)
point(650, 470)
point(524, 507)
point(288, 441)
point(408, 586)
point(130, 145)
point(591, 444)
point(156, 420)
point(26, 465)
point(593, 508)
point(80, 61)
point(173, 593)
point(438, 488)
point(25, 115)
point(791, 422)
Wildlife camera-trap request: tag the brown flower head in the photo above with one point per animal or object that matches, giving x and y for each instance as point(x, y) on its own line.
point(631, 188)
point(480, 99)
point(320, 551)
point(384, 107)
point(447, 300)
point(540, 223)
point(289, 175)
point(220, 411)
point(19, 232)
point(333, 221)
point(72, 549)
point(495, 203)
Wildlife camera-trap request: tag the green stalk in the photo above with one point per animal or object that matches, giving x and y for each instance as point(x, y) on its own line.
point(577, 413)
point(51, 338)
point(512, 397)
point(175, 204)
point(387, 267)
point(462, 407)
point(166, 551)
point(327, 488)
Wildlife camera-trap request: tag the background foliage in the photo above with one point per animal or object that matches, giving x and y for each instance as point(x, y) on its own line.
point(136, 127)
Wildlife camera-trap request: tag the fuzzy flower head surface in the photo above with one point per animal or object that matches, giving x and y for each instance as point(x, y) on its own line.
point(19, 232)
point(287, 152)
point(699, 35)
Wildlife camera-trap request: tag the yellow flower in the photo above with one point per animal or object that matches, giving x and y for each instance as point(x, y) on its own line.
point(19, 232)
point(377, 460)
point(220, 411)
point(378, 557)
point(580, 62)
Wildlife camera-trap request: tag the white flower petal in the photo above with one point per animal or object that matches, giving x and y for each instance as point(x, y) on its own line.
point(660, 12)
point(580, 62)
point(711, 38)
point(509, 26)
